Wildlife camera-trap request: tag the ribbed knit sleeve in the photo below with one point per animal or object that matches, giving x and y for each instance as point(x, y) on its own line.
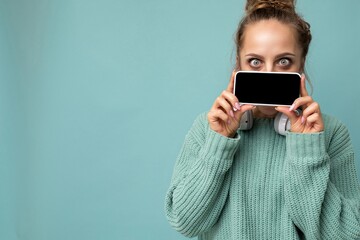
point(321, 186)
point(201, 179)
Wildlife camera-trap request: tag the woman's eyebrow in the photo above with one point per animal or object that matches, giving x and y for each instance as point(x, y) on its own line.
point(277, 56)
point(253, 55)
point(285, 54)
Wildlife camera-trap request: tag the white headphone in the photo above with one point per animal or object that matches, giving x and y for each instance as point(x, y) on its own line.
point(281, 123)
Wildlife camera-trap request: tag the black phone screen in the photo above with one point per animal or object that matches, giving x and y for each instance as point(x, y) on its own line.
point(267, 88)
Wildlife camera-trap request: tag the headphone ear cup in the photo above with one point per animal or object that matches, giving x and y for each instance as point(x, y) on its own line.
point(281, 124)
point(246, 121)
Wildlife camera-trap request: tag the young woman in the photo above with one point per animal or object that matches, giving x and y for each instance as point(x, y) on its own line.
point(257, 184)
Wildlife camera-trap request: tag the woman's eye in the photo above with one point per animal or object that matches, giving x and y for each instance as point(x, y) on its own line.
point(284, 62)
point(254, 62)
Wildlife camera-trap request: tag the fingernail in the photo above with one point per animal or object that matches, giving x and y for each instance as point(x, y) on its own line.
point(232, 114)
point(276, 109)
point(229, 122)
point(237, 106)
point(302, 119)
point(292, 107)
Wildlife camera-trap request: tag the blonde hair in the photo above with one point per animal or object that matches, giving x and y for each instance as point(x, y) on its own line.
point(281, 10)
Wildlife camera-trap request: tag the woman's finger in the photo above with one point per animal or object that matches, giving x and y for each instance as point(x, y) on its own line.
point(243, 108)
point(230, 87)
point(225, 102)
point(315, 117)
point(301, 101)
point(219, 114)
point(216, 116)
point(231, 98)
point(312, 114)
point(292, 115)
point(311, 109)
point(303, 91)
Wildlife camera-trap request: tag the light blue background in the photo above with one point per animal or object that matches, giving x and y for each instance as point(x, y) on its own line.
point(97, 96)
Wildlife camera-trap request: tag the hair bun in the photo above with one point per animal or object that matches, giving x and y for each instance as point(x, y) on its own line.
point(253, 5)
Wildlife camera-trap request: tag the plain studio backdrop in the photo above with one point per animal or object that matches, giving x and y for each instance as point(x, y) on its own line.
point(96, 98)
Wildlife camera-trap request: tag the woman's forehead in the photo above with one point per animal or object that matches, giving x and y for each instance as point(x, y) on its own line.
point(270, 36)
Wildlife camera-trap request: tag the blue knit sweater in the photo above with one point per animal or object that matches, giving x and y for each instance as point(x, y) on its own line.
point(261, 185)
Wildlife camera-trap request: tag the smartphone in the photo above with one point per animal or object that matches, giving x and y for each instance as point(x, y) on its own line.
point(267, 88)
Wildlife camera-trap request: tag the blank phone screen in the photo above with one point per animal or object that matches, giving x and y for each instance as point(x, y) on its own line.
point(264, 88)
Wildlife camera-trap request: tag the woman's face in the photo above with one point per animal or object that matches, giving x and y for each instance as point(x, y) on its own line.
point(270, 46)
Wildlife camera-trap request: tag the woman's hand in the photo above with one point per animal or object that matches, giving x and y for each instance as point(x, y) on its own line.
point(225, 114)
point(310, 121)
